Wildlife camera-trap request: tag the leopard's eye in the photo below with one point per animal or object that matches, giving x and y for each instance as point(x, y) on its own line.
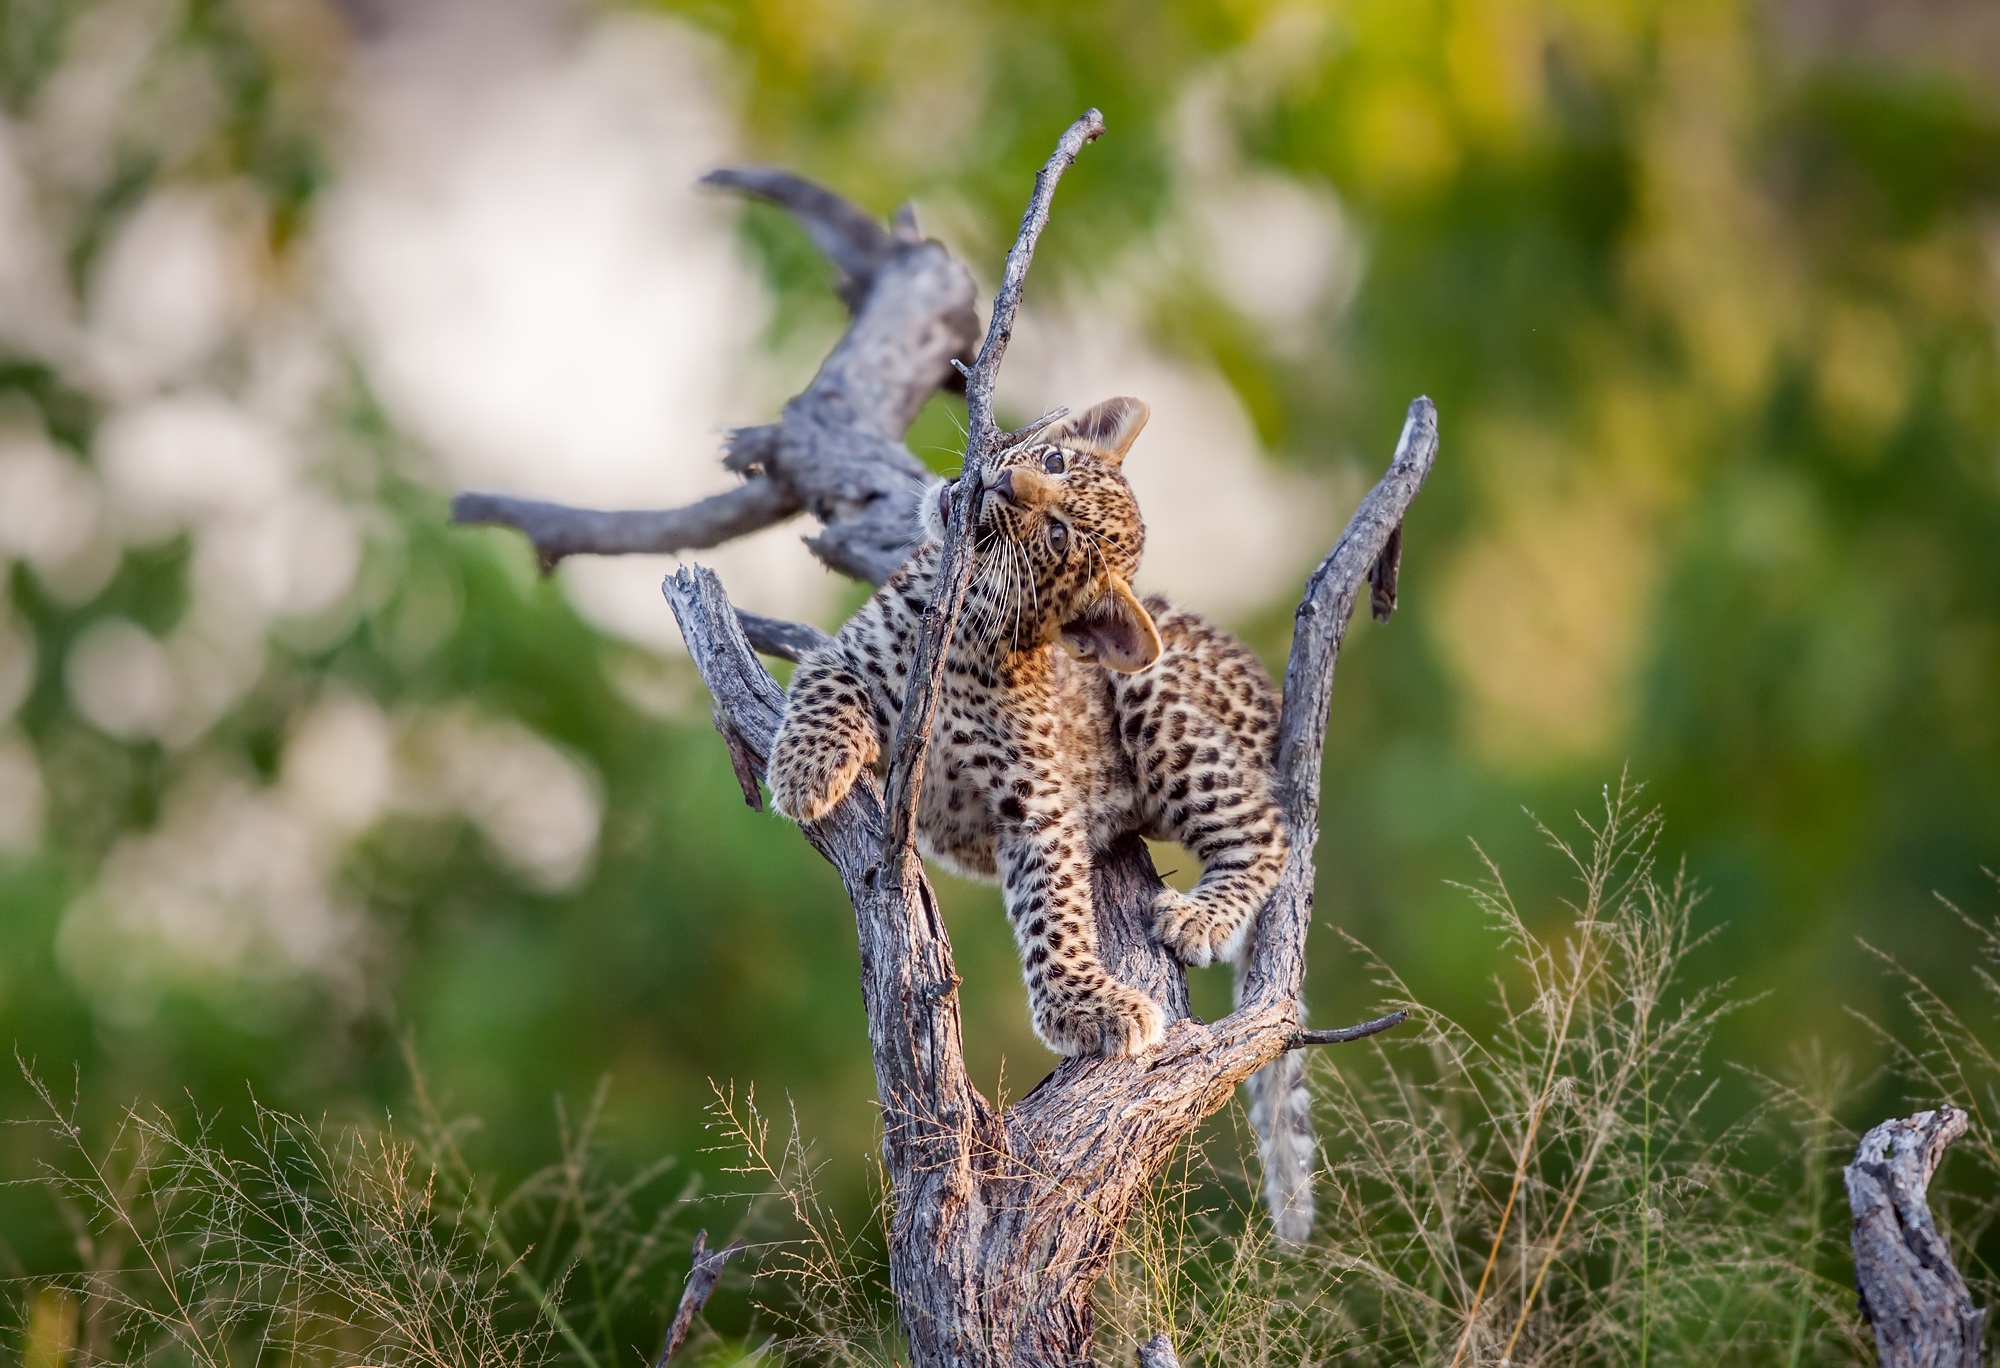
point(1058, 536)
point(1053, 463)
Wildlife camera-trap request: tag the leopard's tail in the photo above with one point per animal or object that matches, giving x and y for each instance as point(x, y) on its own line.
point(1281, 1115)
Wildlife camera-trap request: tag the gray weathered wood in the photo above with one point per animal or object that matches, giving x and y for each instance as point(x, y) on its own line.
point(1003, 1220)
point(1346, 1035)
point(700, 1286)
point(777, 637)
point(1277, 962)
point(558, 530)
point(852, 242)
point(1911, 1292)
point(837, 450)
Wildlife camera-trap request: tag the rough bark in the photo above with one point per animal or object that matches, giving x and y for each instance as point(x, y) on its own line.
point(1003, 1220)
point(1910, 1290)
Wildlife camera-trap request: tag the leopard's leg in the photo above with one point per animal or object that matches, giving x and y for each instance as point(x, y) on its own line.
point(1077, 1006)
point(1210, 793)
point(827, 739)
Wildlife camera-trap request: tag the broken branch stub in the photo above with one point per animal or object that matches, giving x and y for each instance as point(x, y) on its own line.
point(1911, 1292)
point(702, 1277)
point(1344, 1035)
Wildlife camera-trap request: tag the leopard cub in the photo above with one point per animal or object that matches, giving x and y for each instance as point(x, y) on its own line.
point(1072, 714)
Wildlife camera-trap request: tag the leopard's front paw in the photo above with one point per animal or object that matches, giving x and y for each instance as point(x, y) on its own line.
point(1116, 1021)
point(1193, 930)
point(805, 787)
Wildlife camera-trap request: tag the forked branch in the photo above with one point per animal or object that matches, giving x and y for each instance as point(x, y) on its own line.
point(1003, 1221)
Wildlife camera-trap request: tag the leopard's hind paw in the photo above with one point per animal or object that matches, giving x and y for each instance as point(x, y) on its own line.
point(1194, 930)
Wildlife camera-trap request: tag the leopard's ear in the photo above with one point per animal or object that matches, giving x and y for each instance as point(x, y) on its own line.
point(1107, 430)
point(1116, 631)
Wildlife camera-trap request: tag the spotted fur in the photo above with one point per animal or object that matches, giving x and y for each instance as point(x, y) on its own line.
point(1072, 713)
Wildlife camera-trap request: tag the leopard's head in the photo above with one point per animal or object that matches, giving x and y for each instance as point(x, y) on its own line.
point(1057, 541)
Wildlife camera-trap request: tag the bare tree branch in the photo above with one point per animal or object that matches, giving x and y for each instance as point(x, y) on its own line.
point(940, 615)
point(1910, 1290)
point(557, 530)
point(701, 1280)
point(1277, 963)
point(777, 637)
point(837, 450)
point(852, 241)
point(1343, 1035)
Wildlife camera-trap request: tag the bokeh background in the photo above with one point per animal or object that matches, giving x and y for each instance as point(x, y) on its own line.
point(304, 794)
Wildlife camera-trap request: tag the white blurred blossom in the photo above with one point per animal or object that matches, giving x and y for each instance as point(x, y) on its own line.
point(21, 796)
point(296, 557)
point(34, 307)
point(339, 763)
point(1278, 249)
point(292, 368)
point(82, 108)
point(217, 656)
point(171, 462)
point(232, 885)
point(48, 502)
point(121, 680)
point(172, 287)
point(538, 808)
point(17, 664)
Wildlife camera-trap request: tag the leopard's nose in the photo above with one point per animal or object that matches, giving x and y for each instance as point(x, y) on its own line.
point(1003, 485)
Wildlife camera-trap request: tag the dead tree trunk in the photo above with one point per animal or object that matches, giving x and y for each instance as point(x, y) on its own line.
point(1003, 1221)
point(1911, 1292)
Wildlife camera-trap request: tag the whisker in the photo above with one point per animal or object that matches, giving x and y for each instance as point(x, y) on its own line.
point(1027, 573)
point(1034, 590)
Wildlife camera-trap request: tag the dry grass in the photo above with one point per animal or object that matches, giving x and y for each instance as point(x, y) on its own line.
point(1950, 1057)
point(1557, 1188)
point(308, 1244)
point(824, 1290)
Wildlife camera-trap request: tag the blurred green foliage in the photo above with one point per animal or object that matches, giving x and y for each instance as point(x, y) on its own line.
point(1709, 315)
